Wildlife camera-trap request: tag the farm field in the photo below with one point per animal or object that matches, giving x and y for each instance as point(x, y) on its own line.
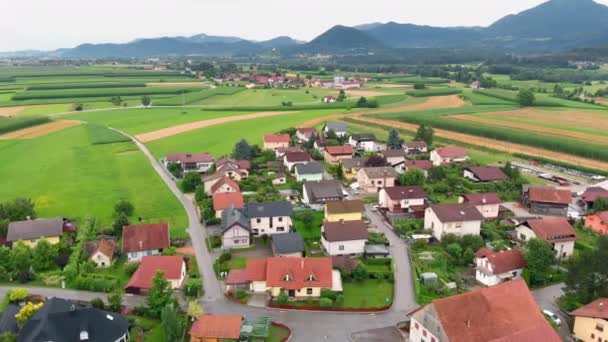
point(65, 175)
point(268, 97)
point(40, 130)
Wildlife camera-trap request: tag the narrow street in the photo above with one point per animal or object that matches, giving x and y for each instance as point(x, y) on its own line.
point(546, 299)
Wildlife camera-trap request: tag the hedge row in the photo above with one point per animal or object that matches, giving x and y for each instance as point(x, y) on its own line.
point(14, 124)
point(433, 92)
point(78, 93)
point(86, 85)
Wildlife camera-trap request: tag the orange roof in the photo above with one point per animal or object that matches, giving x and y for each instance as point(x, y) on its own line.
point(339, 150)
point(549, 195)
point(223, 200)
point(106, 247)
point(504, 261)
point(295, 273)
point(552, 229)
point(505, 312)
point(217, 326)
point(277, 138)
point(225, 181)
point(171, 266)
point(595, 309)
point(598, 222)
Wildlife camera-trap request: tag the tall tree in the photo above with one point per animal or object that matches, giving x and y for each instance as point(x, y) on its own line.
point(242, 150)
point(394, 141)
point(600, 204)
point(172, 323)
point(123, 206)
point(587, 276)
point(526, 98)
point(539, 257)
point(43, 256)
point(341, 96)
point(191, 181)
point(160, 294)
point(412, 177)
point(146, 101)
point(425, 133)
point(115, 300)
point(21, 257)
point(121, 221)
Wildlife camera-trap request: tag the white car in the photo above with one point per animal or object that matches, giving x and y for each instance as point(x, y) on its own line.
point(553, 317)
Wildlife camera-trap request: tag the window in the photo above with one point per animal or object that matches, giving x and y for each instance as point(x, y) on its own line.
point(592, 335)
point(287, 277)
point(424, 333)
point(236, 240)
point(341, 247)
point(416, 325)
point(84, 335)
point(599, 327)
point(280, 229)
point(311, 278)
point(258, 220)
point(309, 291)
point(280, 219)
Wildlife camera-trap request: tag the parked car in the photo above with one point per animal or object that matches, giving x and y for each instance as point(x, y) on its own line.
point(553, 317)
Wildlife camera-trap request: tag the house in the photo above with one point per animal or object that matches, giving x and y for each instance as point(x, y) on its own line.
point(557, 231)
point(63, 320)
point(488, 204)
point(351, 166)
point(101, 252)
point(344, 237)
point(345, 85)
point(224, 200)
point(505, 312)
point(308, 172)
point(591, 195)
point(448, 155)
point(455, 219)
point(363, 142)
point(373, 179)
point(546, 200)
point(344, 210)
point(492, 268)
point(235, 169)
point(282, 151)
point(303, 134)
point(394, 157)
point(221, 184)
point(269, 218)
point(317, 193)
point(274, 141)
point(475, 85)
point(598, 222)
point(334, 154)
point(216, 328)
point(173, 268)
point(236, 229)
point(144, 239)
point(422, 165)
point(339, 128)
point(299, 278)
point(590, 321)
point(293, 158)
point(403, 199)
point(329, 99)
point(484, 174)
point(30, 232)
point(288, 245)
point(190, 162)
point(415, 147)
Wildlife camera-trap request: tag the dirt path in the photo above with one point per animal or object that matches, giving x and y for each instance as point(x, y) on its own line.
point(179, 129)
point(11, 111)
point(40, 130)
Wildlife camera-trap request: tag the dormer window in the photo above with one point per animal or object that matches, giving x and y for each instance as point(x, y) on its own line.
point(84, 336)
point(287, 277)
point(311, 278)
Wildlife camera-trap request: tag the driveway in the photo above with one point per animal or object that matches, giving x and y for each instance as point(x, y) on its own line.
point(546, 300)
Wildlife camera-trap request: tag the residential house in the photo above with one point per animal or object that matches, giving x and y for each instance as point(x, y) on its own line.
point(485, 174)
point(303, 134)
point(394, 157)
point(30, 232)
point(317, 193)
point(422, 165)
point(344, 237)
point(591, 321)
point(299, 278)
point(415, 147)
point(454, 219)
point(312, 171)
point(488, 204)
point(598, 222)
point(101, 252)
point(173, 268)
point(190, 162)
point(403, 199)
point(63, 320)
point(493, 268)
point(221, 184)
point(216, 328)
point(505, 312)
point(546, 200)
point(339, 128)
point(329, 99)
point(448, 155)
point(351, 166)
point(557, 231)
point(592, 194)
point(224, 200)
point(288, 245)
point(345, 85)
point(235, 169)
point(236, 229)
point(373, 179)
point(475, 85)
point(282, 151)
point(269, 218)
point(334, 154)
point(293, 158)
point(344, 210)
point(144, 239)
point(274, 141)
point(363, 142)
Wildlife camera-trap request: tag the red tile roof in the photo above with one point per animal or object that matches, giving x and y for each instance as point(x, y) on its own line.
point(398, 193)
point(451, 152)
point(596, 309)
point(506, 312)
point(190, 157)
point(224, 200)
point(480, 199)
point(552, 229)
point(299, 270)
point(106, 247)
point(339, 150)
point(277, 138)
point(592, 194)
point(297, 157)
point(256, 269)
point(171, 266)
point(598, 222)
point(217, 327)
point(237, 277)
point(145, 237)
point(549, 195)
point(504, 261)
point(225, 181)
point(488, 173)
point(307, 132)
point(419, 164)
point(345, 231)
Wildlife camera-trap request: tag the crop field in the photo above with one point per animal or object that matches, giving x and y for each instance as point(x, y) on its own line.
point(434, 92)
point(39, 130)
point(97, 92)
point(269, 97)
point(67, 176)
point(542, 100)
point(196, 97)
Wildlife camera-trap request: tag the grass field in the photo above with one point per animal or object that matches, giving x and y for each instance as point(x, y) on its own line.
point(67, 176)
point(269, 97)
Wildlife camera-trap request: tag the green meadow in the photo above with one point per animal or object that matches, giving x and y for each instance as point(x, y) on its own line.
point(269, 97)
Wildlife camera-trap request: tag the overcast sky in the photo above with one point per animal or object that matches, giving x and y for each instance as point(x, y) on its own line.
point(51, 24)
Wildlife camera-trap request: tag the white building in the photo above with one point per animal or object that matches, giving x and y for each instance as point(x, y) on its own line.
point(557, 231)
point(448, 155)
point(492, 268)
point(344, 237)
point(269, 218)
point(236, 231)
point(454, 219)
point(488, 204)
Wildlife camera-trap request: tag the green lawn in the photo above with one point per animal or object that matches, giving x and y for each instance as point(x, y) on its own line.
point(236, 263)
point(67, 176)
point(370, 293)
point(277, 334)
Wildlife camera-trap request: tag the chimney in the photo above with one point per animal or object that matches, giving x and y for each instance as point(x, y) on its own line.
point(141, 244)
point(468, 323)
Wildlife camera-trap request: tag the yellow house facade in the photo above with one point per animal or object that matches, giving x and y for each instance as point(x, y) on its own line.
point(33, 242)
point(591, 321)
point(30, 232)
point(344, 211)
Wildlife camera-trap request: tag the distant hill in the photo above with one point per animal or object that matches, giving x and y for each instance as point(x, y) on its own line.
point(342, 39)
point(280, 42)
point(409, 35)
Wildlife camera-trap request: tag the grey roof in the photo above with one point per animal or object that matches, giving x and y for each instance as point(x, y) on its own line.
point(357, 162)
point(320, 191)
point(269, 209)
point(457, 212)
point(379, 172)
point(363, 137)
point(336, 126)
point(232, 216)
point(34, 229)
point(8, 322)
point(309, 168)
point(287, 243)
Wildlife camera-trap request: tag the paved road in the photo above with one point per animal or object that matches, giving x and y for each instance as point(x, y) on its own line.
point(128, 300)
point(546, 300)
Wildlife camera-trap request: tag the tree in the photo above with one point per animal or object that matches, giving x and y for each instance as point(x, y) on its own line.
point(539, 257)
point(174, 169)
point(116, 100)
point(98, 303)
point(18, 210)
point(455, 251)
point(587, 277)
point(525, 98)
point(172, 323)
point(600, 204)
point(412, 177)
point(43, 256)
point(27, 311)
point(362, 102)
point(341, 96)
point(425, 133)
point(191, 181)
point(21, 257)
point(121, 221)
point(146, 101)
point(125, 207)
point(242, 150)
point(558, 90)
point(194, 310)
point(394, 141)
point(18, 295)
point(160, 294)
point(419, 85)
point(310, 144)
point(115, 300)
point(360, 273)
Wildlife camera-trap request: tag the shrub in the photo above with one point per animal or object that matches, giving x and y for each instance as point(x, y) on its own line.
point(131, 267)
point(329, 294)
point(193, 288)
point(18, 295)
point(325, 302)
point(282, 299)
point(226, 256)
point(241, 294)
point(98, 303)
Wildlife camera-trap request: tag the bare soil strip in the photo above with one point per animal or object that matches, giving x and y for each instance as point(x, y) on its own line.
point(11, 111)
point(40, 130)
point(179, 129)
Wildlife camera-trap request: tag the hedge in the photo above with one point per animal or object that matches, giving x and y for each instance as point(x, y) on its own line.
point(83, 85)
point(14, 124)
point(76, 93)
